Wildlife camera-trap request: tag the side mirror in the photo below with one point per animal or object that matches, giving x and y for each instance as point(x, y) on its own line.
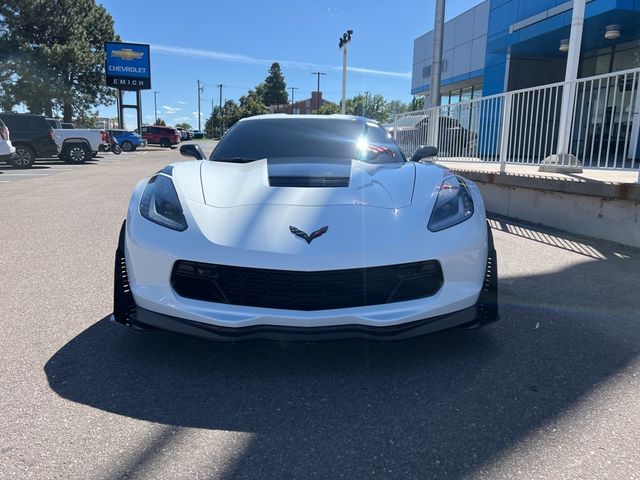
point(192, 150)
point(424, 151)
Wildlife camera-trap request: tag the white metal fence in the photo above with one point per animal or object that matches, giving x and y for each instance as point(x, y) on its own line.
point(522, 127)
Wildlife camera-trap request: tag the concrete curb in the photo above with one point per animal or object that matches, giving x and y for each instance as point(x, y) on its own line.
point(609, 190)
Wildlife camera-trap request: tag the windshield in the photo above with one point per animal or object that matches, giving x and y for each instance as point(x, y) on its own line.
point(328, 138)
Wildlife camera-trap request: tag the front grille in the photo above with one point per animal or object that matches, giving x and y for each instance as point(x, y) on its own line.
point(295, 290)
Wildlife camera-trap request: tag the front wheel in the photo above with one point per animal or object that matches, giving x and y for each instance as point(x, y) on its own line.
point(25, 157)
point(127, 146)
point(116, 149)
point(165, 143)
point(76, 154)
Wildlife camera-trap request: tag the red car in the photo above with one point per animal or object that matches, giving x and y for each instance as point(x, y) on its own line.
point(165, 136)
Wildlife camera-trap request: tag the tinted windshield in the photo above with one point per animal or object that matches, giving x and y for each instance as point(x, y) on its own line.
point(307, 137)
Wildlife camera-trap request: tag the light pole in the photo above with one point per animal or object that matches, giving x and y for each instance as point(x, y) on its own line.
point(155, 105)
point(318, 74)
point(293, 103)
point(344, 40)
point(436, 63)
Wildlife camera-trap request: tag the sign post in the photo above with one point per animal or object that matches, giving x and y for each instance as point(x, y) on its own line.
point(128, 68)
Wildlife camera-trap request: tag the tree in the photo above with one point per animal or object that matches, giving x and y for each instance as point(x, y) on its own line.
point(370, 106)
point(231, 113)
point(275, 88)
point(160, 122)
point(417, 103)
point(223, 118)
point(251, 104)
point(184, 126)
point(329, 109)
point(52, 55)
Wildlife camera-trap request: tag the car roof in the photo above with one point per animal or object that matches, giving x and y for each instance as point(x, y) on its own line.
point(275, 116)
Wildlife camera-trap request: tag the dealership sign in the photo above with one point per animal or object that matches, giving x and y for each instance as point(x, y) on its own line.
point(127, 66)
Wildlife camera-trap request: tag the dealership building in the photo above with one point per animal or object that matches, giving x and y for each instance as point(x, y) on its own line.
point(506, 45)
point(502, 84)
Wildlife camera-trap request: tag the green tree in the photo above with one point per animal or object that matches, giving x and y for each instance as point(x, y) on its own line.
point(184, 125)
point(370, 106)
point(221, 119)
point(160, 122)
point(417, 103)
point(251, 104)
point(329, 109)
point(231, 113)
point(52, 55)
point(275, 88)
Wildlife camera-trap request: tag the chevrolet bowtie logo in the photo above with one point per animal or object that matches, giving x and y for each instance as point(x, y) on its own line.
point(308, 238)
point(127, 54)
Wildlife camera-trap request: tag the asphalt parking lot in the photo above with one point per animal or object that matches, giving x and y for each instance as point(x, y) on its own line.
point(552, 391)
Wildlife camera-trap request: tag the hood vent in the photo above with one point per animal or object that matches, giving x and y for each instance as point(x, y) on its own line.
point(309, 172)
point(308, 182)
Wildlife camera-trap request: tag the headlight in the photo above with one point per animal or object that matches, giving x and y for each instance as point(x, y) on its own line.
point(454, 205)
point(160, 204)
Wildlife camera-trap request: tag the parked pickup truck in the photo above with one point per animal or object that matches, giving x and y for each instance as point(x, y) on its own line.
point(79, 144)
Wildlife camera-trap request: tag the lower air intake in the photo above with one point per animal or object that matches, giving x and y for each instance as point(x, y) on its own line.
point(296, 290)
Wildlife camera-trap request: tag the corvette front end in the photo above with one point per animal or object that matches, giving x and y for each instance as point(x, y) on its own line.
point(231, 251)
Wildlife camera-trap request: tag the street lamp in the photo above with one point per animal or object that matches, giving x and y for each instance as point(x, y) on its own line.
point(343, 41)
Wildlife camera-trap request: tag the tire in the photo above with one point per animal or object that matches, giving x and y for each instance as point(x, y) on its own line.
point(76, 154)
point(25, 157)
point(128, 146)
point(165, 143)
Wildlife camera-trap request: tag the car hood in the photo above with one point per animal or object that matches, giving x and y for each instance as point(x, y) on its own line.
point(307, 182)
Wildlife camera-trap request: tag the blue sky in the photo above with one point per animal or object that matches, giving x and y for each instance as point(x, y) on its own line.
point(234, 42)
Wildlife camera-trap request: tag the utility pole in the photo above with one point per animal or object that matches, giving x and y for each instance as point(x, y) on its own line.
point(220, 86)
point(212, 125)
point(342, 43)
point(318, 74)
point(200, 89)
point(293, 102)
point(155, 105)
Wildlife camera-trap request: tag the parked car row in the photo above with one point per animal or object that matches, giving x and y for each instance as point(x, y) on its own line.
point(31, 135)
point(25, 137)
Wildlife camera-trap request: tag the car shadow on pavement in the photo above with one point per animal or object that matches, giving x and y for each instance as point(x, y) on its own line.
point(443, 406)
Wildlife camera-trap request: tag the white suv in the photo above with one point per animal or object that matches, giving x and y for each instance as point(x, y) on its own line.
point(7, 150)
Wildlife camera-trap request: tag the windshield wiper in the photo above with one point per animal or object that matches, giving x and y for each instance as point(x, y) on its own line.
point(236, 160)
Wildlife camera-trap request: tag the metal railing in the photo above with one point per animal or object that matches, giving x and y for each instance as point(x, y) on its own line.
point(522, 126)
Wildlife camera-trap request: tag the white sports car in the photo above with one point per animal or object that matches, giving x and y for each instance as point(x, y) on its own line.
point(305, 227)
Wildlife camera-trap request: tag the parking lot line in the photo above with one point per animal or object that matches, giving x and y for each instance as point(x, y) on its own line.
point(25, 174)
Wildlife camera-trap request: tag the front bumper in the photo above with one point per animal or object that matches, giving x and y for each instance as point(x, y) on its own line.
point(126, 312)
